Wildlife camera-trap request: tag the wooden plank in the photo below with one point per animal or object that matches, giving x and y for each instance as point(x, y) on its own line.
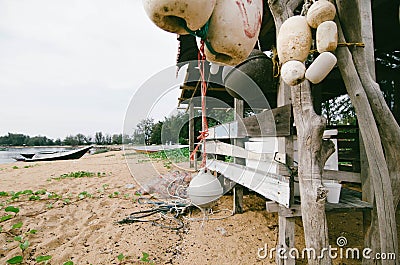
point(220, 148)
point(276, 122)
point(342, 176)
point(271, 186)
point(350, 201)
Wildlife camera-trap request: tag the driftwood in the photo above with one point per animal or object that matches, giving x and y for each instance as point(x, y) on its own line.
point(313, 153)
point(376, 121)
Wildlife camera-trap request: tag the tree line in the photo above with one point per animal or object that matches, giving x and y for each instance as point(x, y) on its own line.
point(175, 128)
point(15, 139)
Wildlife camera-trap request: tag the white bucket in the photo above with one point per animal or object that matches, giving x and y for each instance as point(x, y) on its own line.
point(333, 191)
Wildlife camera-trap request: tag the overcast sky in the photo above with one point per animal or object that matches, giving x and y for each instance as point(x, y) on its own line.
point(72, 66)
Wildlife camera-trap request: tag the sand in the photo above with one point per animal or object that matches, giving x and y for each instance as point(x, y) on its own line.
point(85, 230)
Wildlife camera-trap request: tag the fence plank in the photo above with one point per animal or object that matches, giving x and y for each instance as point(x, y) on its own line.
point(271, 186)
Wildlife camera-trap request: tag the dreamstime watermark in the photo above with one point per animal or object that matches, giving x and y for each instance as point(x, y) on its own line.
point(341, 252)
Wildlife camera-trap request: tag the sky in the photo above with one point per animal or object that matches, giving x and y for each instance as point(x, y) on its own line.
point(73, 66)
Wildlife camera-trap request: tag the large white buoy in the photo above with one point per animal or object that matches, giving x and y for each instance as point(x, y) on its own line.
point(321, 67)
point(204, 189)
point(172, 15)
point(293, 72)
point(233, 30)
point(327, 37)
point(294, 40)
point(319, 12)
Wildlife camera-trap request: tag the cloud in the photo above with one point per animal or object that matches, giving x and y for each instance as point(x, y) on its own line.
point(73, 60)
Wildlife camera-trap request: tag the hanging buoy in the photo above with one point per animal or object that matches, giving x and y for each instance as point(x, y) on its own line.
point(294, 40)
point(204, 189)
point(250, 79)
point(233, 30)
point(319, 12)
point(293, 72)
point(327, 37)
point(321, 67)
point(174, 16)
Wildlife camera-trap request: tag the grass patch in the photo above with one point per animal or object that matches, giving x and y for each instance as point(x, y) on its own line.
point(100, 151)
point(80, 174)
point(175, 155)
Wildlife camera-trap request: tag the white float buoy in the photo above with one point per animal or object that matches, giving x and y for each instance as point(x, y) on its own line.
point(172, 16)
point(321, 67)
point(293, 72)
point(319, 12)
point(214, 68)
point(233, 30)
point(294, 40)
point(327, 37)
point(204, 189)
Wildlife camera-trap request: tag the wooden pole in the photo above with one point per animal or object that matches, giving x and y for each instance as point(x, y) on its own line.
point(191, 133)
point(238, 189)
point(313, 153)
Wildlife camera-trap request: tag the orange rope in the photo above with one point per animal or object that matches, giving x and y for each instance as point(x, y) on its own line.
point(204, 130)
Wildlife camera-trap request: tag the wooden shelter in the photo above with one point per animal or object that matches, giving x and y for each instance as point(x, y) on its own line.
point(274, 132)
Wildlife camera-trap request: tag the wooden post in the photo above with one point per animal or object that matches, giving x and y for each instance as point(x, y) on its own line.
point(238, 189)
point(285, 146)
point(191, 133)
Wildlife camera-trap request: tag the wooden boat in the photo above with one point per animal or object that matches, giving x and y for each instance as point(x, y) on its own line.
point(27, 155)
point(74, 154)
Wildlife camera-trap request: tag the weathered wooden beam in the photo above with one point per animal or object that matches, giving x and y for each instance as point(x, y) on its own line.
point(220, 148)
point(276, 122)
point(349, 202)
point(342, 176)
point(271, 186)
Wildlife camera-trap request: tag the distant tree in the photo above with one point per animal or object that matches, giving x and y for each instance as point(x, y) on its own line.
point(71, 140)
point(99, 138)
point(38, 141)
point(142, 134)
point(108, 139)
point(155, 137)
point(81, 139)
point(88, 139)
point(117, 139)
point(14, 139)
point(58, 142)
point(339, 111)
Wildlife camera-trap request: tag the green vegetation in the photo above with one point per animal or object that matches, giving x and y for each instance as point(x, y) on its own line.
point(15, 139)
point(80, 174)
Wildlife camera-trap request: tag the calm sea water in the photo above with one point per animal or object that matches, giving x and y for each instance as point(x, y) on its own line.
point(7, 156)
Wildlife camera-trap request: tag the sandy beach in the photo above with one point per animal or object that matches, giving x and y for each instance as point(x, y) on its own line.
point(80, 225)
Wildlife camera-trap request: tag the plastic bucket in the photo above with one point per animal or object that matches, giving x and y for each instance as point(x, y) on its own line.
point(333, 191)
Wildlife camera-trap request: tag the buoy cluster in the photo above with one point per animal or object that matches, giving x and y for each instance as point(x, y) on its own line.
point(230, 28)
point(294, 42)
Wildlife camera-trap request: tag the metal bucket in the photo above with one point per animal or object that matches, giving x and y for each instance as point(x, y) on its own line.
point(258, 68)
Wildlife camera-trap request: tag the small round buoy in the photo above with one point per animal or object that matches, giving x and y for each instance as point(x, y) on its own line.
point(293, 72)
point(319, 12)
point(294, 40)
point(321, 67)
point(327, 37)
point(204, 189)
point(214, 68)
point(174, 16)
